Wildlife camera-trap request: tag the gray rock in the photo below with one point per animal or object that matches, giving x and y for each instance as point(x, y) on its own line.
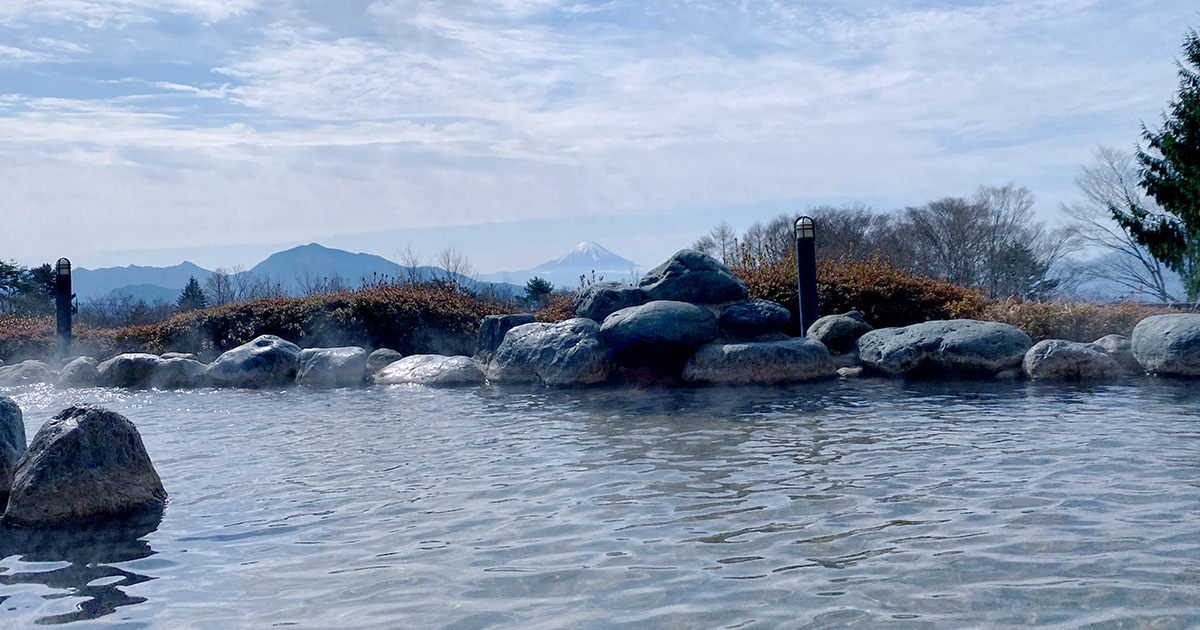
point(381, 358)
point(491, 334)
point(760, 362)
point(87, 463)
point(690, 276)
point(1058, 359)
point(25, 373)
point(180, 355)
point(332, 367)
point(753, 318)
point(605, 298)
point(839, 333)
point(268, 361)
point(564, 353)
point(1168, 344)
point(659, 333)
point(431, 369)
point(12, 444)
point(179, 373)
point(80, 372)
point(132, 370)
point(960, 347)
point(1120, 348)
point(850, 372)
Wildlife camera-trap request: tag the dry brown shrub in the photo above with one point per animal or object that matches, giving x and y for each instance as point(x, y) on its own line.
point(561, 306)
point(1075, 321)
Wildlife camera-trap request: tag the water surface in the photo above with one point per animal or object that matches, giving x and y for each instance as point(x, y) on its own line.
point(865, 504)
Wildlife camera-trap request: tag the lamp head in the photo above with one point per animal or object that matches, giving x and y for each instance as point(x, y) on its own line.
point(805, 229)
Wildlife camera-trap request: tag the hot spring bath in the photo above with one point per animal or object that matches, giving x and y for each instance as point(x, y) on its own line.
point(866, 503)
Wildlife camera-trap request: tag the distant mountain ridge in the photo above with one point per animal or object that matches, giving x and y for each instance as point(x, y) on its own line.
point(90, 284)
point(585, 259)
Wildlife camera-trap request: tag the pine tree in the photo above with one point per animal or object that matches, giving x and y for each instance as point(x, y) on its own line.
point(192, 297)
point(1170, 169)
point(537, 289)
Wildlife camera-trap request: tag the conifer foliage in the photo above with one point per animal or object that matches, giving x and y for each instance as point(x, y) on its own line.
point(192, 297)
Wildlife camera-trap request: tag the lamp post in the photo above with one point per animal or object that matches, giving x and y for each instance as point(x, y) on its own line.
point(62, 301)
point(806, 271)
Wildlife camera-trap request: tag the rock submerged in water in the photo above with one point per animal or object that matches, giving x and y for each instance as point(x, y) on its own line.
point(492, 330)
point(605, 298)
point(80, 372)
point(753, 318)
point(431, 369)
point(25, 373)
point(659, 333)
point(382, 358)
point(267, 361)
point(958, 347)
point(1058, 359)
point(564, 353)
point(840, 333)
point(1119, 348)
point(767, 362)
point(179, 373)
point(1168, 345)
point(693, 277)
point(131, 370)
point(87, 463)
point(12, 444)
point(332, 367)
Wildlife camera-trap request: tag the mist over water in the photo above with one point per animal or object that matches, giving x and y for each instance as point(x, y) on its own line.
point(860, 504)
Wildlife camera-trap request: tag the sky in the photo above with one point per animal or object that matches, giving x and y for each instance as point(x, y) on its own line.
point(220, 131)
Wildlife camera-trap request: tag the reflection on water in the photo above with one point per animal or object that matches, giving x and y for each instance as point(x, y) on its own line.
point(89, 550)
point(862, 504)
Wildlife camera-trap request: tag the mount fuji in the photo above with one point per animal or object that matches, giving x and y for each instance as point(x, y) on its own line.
point(585, 260)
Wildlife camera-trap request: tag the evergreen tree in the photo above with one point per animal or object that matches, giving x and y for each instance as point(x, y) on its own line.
point(537, 289)
point(192, 297)
point(1170, 169)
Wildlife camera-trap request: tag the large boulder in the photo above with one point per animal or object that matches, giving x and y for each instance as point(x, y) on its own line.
point(959, 347)
point(1058, 359)
point(12, 444)
point(25, 373)
point(658, 333)
point(753, 318)
point(431, 369)
point(87, 463)
point(332, 367)
point(1120, 348)
point(132, 370)
point(605, 298)
point(382, 358)
point(492, 330)
point(179, 373)
point(80, 372)
point(564, 353)
point(268, 361)
point(691, 276)
point(760, 362)
point(1168, 344)
point(839, 333)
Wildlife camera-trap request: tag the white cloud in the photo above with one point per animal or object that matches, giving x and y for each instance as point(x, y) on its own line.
point(99, 13)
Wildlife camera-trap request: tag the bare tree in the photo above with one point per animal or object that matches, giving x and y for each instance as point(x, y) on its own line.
point(1110, 184)
point(312, 284)
point(455, 263)
point(949, 234)
point(412, 261)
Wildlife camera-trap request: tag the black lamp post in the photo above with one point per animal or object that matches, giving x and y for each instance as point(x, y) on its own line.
point(806, 271)
point(62, 301)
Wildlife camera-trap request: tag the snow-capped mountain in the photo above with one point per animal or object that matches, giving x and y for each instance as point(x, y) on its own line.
point(587, 258)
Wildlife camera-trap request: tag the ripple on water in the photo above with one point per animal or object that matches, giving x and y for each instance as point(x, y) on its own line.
point(870, 504)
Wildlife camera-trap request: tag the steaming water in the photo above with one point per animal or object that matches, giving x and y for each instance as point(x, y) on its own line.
point(871, 504)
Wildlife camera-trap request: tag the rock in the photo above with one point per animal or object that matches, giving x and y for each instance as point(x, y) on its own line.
point(850, 372)
point(132, 370)
point(662, 332)
point(381, 358)
point(1120, 348)
point(491, 334)
point(839, 333)
point(690, 276)
point(431, 369)
point(1058, 359)
point(753, 318)
point(1168, 344)
point(179, 373)
point(332, 367)
point(12, 444)
point(87, 463)
point(25, 373)
point(847, 359)
point(81, 372)
point(268, 361)
point(759, 362)
point(180, 355)
point(605, 298)
point(959, 347)
point(564, 353)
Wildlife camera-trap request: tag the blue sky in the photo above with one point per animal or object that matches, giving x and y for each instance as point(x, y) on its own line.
point(149, 131)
